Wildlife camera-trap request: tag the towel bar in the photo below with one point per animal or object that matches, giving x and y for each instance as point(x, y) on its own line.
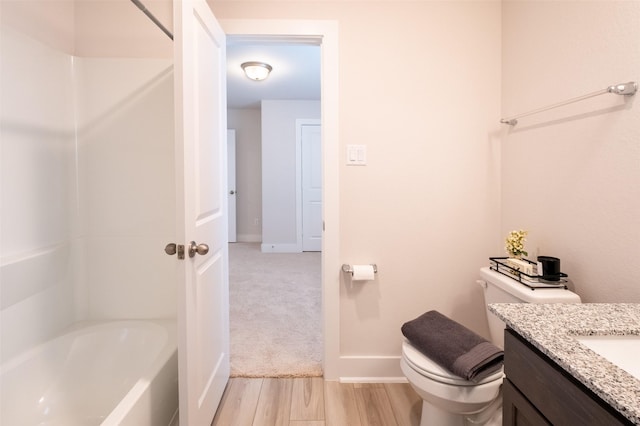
point(624, 89)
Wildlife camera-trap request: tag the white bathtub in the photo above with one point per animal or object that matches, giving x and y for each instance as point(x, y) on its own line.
point(98, 373)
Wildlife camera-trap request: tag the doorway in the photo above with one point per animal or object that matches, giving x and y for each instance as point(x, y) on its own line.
point(275, 287)
point(325, 34)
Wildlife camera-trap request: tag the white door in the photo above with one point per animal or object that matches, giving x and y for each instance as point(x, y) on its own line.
point(311, 150)
point(201, 138)
point(232, 193)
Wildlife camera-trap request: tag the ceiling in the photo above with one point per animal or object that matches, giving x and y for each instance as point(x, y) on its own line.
point(295, 61)
point(295, 75)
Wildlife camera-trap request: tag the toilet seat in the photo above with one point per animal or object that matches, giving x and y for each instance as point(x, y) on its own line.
point(429, 368)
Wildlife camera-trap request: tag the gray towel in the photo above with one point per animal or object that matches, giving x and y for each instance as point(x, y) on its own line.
point(453, 346)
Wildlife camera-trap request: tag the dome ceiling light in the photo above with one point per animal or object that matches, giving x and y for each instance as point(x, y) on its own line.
point(256, 70)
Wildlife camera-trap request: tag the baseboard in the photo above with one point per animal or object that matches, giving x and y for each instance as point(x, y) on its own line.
point(249, 238)
point(280, 248)
point(370, 369)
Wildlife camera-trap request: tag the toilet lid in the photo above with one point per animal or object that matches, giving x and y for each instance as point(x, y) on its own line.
point(429, 368)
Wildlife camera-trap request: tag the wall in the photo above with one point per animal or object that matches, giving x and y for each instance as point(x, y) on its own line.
point(420, 87)
point(247, 124)
point(279, 232)
point(571, 176)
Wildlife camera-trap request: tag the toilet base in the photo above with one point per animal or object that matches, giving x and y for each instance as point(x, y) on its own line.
point(433, 415)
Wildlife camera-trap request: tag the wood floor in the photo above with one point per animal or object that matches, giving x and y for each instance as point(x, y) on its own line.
point(315, 402)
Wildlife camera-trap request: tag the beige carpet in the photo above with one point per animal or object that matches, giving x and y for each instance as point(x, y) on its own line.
point(275, 313)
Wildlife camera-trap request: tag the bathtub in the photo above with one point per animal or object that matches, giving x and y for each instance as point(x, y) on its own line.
point(97, 373)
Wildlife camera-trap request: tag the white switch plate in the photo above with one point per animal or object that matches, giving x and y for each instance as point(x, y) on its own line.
point(356, 155)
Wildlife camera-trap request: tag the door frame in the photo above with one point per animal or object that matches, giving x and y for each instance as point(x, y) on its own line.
point(232, 178)
point(325, 34)
point(300, 122)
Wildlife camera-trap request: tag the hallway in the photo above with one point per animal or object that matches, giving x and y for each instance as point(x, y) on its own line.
point(275, 312)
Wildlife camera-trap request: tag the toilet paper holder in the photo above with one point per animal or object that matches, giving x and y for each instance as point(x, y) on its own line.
point(349, 270)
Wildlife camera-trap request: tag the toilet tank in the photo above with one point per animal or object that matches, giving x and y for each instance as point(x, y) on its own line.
point(499, 288)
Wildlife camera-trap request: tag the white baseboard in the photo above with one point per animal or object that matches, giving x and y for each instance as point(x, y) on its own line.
point(370, 369)
point(280, 248)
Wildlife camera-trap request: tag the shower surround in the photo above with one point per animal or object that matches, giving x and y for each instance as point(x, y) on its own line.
point(87, 196)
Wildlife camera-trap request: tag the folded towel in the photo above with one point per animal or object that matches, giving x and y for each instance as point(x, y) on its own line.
point(453, 346)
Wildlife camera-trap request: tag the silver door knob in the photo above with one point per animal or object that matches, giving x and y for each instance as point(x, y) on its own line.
point(200, 249)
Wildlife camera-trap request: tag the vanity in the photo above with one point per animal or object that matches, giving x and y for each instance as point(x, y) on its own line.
point(571, 364)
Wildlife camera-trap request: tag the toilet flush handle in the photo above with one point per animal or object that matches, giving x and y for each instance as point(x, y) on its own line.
point(482, 283)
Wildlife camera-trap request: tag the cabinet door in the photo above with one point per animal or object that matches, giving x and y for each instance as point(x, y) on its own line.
point(554, 392)
point(517, 410)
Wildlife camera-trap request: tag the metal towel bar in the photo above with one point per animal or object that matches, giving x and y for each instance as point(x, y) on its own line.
point(625, 89)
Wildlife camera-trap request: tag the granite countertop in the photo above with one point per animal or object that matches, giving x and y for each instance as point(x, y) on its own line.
point(552, 327)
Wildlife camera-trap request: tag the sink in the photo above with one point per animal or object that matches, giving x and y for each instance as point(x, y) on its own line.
point(619, 350)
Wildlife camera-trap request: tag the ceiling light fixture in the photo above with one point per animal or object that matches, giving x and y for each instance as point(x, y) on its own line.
point(256, 70)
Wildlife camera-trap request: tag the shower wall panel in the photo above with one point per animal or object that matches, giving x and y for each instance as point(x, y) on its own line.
point(127, 186)
point(37, 198)
point(87, 190)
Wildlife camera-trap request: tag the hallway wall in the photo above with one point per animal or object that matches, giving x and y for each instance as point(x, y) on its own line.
point(279, 202)
point(247, 124)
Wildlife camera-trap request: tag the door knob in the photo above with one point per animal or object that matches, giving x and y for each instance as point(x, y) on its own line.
point(173, 248)
point(200, 249)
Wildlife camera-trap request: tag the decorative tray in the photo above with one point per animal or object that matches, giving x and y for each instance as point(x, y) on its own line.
point(499, 264)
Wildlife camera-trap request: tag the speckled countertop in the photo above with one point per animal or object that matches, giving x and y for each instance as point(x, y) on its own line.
point(552, 327)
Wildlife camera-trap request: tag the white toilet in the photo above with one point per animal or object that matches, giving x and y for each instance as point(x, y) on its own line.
point(449, 400)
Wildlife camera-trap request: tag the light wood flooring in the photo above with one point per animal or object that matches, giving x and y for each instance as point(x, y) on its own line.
point(313, 401)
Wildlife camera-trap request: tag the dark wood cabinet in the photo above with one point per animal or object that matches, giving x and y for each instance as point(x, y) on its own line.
point(539, 392)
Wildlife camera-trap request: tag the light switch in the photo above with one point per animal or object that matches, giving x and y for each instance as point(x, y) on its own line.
point(356, 155)
point(353, 155)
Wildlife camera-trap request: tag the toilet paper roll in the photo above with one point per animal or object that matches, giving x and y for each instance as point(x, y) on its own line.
point(362, 273)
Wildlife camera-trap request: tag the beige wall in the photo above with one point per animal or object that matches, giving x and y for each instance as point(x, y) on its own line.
point(571, 176)
point(420, 87)
point(246, 122)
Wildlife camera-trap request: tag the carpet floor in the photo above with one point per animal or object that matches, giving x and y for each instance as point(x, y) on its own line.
point(275, 313)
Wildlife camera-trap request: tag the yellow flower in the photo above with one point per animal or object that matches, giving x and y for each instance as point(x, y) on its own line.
point(515, 243)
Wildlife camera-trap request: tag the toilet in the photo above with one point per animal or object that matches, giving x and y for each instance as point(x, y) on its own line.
point(449, 400)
